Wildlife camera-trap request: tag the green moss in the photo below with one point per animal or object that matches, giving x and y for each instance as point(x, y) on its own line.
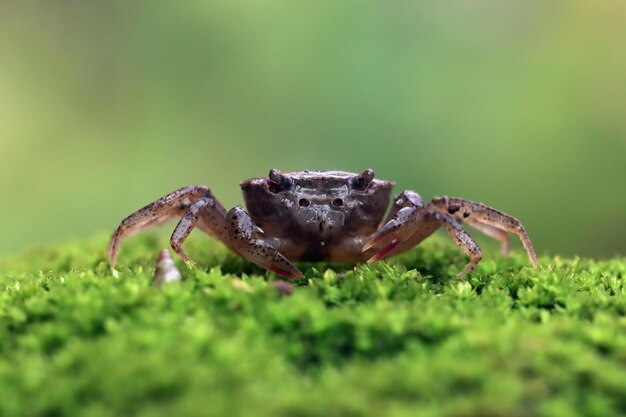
point(394, 338)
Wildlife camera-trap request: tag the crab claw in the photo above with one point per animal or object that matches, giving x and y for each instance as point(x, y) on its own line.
point(265, 255)
point(384, 251)
point(243, 238)
point(396, 230)
point(290, 272)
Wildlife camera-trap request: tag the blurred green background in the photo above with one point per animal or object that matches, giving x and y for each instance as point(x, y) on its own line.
point(107, 105)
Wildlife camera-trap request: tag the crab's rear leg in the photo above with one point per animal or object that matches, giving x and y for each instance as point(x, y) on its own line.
point(478, 214)
point(174, 204)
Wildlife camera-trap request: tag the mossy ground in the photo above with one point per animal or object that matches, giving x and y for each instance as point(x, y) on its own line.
point(395, 338)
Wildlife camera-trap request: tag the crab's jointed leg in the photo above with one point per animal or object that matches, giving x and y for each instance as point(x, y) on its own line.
point(464, 241)
point(478, 213)
point(174, 204)
point(197, 207)
point(203, 214)
point(497, 234)
point(410, 226)
point(411, 222)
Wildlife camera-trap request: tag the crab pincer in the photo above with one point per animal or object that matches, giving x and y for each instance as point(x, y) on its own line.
point(398, 229)
point(245, 235)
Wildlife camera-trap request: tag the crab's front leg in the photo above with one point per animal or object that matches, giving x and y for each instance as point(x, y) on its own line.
point(245, 238)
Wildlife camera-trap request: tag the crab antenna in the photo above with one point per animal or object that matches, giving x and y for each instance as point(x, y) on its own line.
point(364, 179)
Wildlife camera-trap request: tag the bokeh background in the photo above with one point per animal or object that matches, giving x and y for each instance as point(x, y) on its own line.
point(105, 106)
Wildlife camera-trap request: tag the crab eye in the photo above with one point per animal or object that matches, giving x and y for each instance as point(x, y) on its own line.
point(304, 202)
point(362, 181)
point(278, 181)
point(337, 202)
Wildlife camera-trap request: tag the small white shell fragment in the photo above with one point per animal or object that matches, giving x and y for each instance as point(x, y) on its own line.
point(166, 270)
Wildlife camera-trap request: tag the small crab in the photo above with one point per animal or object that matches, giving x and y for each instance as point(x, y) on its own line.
point(321, 216)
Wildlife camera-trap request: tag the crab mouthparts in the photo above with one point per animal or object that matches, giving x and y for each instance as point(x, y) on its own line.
point(322, 221)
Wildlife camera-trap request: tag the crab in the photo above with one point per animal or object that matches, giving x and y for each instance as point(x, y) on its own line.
point(312, 216)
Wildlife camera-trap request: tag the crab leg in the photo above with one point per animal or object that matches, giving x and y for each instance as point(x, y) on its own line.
point(411, 222)
point(464, 241)
point(202, 213)
point(243, 235)
point(172, 205)
point(410, 226)
point(478, 213)
point(492, 232)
